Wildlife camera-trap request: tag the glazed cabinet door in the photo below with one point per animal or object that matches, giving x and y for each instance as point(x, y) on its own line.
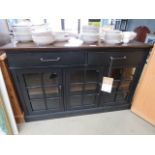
point(41, 89)
point(82, 88)
point(123, 81)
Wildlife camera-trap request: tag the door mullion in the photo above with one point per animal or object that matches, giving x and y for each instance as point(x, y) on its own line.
point(43, 89)
point(83, 87)
point(118, 86)
point(62, 82)
point(97, 94)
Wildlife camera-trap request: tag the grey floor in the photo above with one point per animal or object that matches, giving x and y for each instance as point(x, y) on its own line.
point(118, 122)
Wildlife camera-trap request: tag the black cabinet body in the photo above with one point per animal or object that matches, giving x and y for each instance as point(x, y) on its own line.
point(55, 83)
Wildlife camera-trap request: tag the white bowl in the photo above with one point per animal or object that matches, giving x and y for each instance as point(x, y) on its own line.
point(111, 37)
point(23, 37)
point(128, 36)
point(22, 32)
point(43, 37)
point(89, 37)
point(61, 36)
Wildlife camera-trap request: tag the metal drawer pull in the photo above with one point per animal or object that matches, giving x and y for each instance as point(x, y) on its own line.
point(50, 60)
point(118, 58)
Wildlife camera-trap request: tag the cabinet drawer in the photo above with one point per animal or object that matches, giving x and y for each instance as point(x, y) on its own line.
point(117, 58)
point(45, 59)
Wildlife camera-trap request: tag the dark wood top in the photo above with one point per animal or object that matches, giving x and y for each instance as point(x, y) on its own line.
point(61, 45)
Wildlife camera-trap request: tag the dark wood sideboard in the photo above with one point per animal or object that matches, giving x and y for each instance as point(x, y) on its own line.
point(57, 81)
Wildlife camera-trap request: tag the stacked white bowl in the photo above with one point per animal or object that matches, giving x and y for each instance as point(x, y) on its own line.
point(61, 36)
point(116, 36)
point(42, 35)
point(22, 31)
point(111, 36)
point(89, 34)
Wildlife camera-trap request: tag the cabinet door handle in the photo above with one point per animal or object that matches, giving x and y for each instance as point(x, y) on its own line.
point(50, 60)
point(117, 58)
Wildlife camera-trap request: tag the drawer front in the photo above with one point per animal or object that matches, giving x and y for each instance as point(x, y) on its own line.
point(45, 59)
point(117, 59)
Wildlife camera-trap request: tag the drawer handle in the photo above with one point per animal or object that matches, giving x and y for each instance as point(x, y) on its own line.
point(50, 60)
point(118, 58)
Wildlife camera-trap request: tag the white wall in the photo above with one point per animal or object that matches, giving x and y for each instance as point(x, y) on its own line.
point(3, 26)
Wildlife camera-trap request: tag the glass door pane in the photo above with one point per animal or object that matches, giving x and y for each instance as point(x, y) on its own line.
point(43, 90)
point(75, 101)
point(92, 80)
point(37, 104)
point(32, 79)
point(35, 92)
point(120, 90)
point(50, 78)
point(51, 91)
point(83, 88)
point(90, 87)
point(53, 103)
point(76, 88)
point(92, 75)
point(77, 76)
point(89, 99)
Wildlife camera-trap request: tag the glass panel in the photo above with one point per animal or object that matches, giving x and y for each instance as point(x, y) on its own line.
point(50, 78)
point(53, 103)
point(75, 101)
point(33, 79)
point(107, 97)
point(125, 73)
point(77, 76)
point(121, 95)
point(89, 99)
point(35, 92)
point(123, 78)
point(51, 91)
point(76, 88)
point(128, 73)
point(38, 104)
point(123, 90)
point(116, 73)
point(125, 85)
point(92, 76)
point(116, 84)
point(90, 87)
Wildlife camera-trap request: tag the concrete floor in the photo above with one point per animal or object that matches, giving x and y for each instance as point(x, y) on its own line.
point(118, 122)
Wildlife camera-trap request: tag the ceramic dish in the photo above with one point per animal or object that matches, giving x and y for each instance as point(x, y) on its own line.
point(43, 37)
point(111, 36)
point(128, 36)
point(61, 36)
point(89, 37)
